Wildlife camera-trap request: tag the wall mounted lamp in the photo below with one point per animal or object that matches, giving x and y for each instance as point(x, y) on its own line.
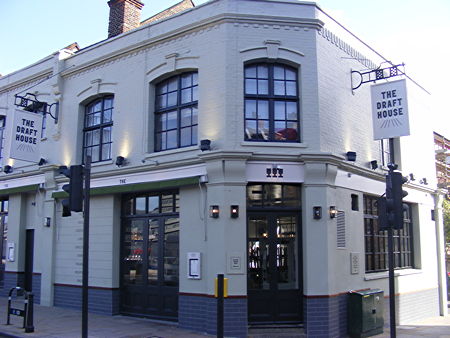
point(411, 177)
point(42, 161)
point(205, 145)
point(7, 169)
point(351, 156)
point(214, 211)
point(424, 181)
point(234, 211)
point(333, 211)
point(317, 212)
point(374, 164)
point(120, 161)
point(62, 170)
point(47, 221)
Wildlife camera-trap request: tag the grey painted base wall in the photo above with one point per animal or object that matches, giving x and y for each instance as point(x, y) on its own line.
point(103, 301)
point(199, 313)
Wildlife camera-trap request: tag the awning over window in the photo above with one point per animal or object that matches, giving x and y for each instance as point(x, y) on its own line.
point(17, 190)
point(136, 187)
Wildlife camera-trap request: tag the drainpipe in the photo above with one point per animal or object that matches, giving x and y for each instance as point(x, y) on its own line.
point(440, 246)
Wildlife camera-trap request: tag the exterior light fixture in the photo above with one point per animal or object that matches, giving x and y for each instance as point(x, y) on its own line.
point(317, 212)
point(42, 161)
point(205, 145)
point(333, 211)
point(411, 177)
point(351, 156)
point(374, 164)
point(234, 211)
point(7, 169)
point(120, 161)
point(422, 181)
point(62, 170)
point(47, 221)
point(214, 211)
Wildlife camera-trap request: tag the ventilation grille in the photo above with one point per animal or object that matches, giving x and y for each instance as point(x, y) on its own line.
point(340, 230)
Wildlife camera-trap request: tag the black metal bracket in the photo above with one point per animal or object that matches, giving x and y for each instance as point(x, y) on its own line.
point(376, 74)
point(36, 106)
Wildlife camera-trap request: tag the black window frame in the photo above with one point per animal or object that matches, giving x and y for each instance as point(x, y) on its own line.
point(101, 126)
point(376, 242)
point(162, 135)
point(2, 134)
point(271, 97)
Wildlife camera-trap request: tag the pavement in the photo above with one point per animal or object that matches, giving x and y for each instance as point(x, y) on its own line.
point(56, 322)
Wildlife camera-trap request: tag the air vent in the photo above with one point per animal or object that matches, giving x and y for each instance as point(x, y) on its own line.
point(340, 230)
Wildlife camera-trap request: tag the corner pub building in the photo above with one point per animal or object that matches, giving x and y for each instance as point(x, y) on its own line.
point(243, 105)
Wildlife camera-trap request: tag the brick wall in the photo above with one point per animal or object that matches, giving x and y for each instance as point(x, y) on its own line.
point(124, 15)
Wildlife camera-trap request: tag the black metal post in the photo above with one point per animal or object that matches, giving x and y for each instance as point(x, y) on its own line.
point(391, 250)
point(85, 278)
point(29, 327)
point(220, 290)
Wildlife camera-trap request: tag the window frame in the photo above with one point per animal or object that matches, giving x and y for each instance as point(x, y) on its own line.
point(403, 240)
point(177, 108)
point(271, 98)
point(2, 135)
point(99, 126)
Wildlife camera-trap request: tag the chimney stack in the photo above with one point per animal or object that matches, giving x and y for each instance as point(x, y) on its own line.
point(124, 15)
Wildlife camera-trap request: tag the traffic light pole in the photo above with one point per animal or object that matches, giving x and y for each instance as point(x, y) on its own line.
point(392, 318)
point(85, 277)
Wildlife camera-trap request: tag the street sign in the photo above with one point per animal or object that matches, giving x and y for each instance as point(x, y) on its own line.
point(390, 110)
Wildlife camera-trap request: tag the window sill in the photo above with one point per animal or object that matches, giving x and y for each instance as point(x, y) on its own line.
point(98, 164)
point(157, 154)
point(273, 144)
point(397, 273)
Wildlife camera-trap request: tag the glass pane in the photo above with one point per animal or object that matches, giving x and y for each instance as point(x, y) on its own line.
point(186, 95)
point(88, 138)
point(133, 251)
point(98, 106)
point(107, 114)
point(250, 86)
point(185, 137)
point(95, 153)
point(279, 87)
point(108, 103)
point(263, 109)
point(194, 115)
point(291, 110)
point(194, 79)
point(161, 88)
point(291, 194)
point(166, 203)
point(280, 130)
point(263, 130)
point(96, 136)
point(162, 141)
point(106, 151)
point(186, 117)
point(291, 88)
point(171, 251)
point(194, 135)
point(171, 120)
point(250, 71)
point(171, 99)
point(129, 206)
point(161, 101)
point(186, 80)
point(263, 72)
point(278, 72)
point(250, 130)
point(254, 195)
point(153, 254)
point(290, 74)
point(106, 135)
point(258, 253)
point(140, 205)
point(153, 204)
point(172, 84)
point(195, 93)
point(250, 109)
point(171, 141)
point(280, 110)
point(263, 87)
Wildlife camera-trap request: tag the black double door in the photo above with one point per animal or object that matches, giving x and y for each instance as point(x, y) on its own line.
point(150, 267)
point(274, 283)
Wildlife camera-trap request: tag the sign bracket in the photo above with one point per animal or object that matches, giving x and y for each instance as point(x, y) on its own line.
point(375, 74)
point(36, 106)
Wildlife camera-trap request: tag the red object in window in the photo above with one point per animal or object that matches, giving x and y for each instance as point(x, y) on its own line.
point(289, 134)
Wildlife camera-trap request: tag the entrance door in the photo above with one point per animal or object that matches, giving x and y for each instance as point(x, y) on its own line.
point(150, 260)
point(274, 290)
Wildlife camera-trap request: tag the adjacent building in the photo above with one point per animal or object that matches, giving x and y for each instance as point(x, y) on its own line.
point(227, 139)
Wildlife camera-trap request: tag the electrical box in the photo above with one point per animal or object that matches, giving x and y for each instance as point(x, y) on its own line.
point(193, 265)
point(365, 313)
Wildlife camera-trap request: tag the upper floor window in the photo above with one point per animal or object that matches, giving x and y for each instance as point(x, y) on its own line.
point(2, 134)
point(176, 112)
point(97, 129)
point(271, 103)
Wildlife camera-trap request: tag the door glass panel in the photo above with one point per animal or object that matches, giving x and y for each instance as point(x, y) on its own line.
point(153, 234)
point(286, 250)
point(258, 253)
point(133, 251)
point(171, 251)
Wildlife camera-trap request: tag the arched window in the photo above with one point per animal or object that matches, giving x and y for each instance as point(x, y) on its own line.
point(271, 103)
point(176, 112)
point(97, 129)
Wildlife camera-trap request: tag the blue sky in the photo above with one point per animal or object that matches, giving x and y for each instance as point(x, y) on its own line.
point(415, 32)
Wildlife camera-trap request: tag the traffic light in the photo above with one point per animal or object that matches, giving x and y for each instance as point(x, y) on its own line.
point(391, 207)
point(74, 189)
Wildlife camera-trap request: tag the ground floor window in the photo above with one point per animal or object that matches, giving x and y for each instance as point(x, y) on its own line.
point(3, 233)
point(376, 240)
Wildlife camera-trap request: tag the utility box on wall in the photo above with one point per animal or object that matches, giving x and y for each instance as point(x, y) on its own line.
point(365, 313)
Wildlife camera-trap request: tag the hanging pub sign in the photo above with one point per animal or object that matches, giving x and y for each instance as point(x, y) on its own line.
point(390, 110)
point(26, 136)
